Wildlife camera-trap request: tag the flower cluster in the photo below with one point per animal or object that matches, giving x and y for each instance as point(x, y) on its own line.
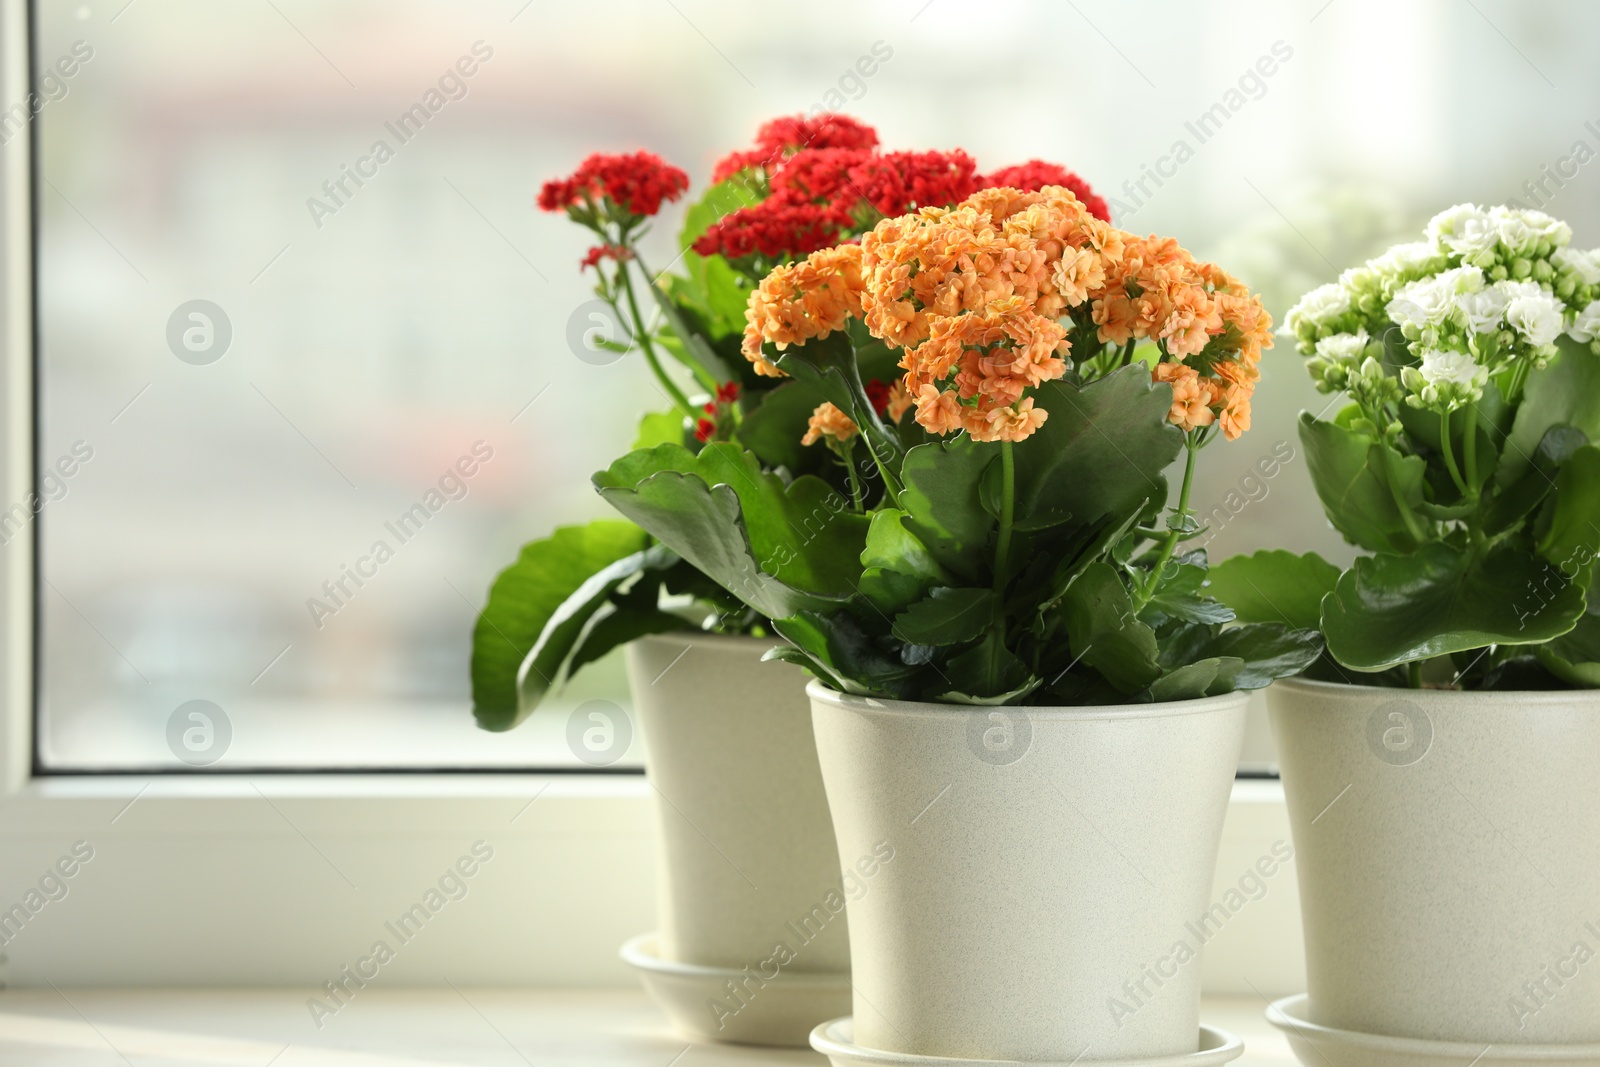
point(974, 295)
point(717, 412)
point(1036, 174)
point(1489, 289)
point(783, 137)
point(822, 196)
point(630, 185)
point(827, 183)
point(793, 304)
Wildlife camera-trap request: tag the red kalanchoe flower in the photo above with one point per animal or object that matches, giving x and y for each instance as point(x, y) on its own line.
point(727, 392)
point(790, 134)
point(900, 182)
point(636, 183)
point(878, 395)
point(775, 228)
point(1036, 174)
point(593, 257)
point(704, 429)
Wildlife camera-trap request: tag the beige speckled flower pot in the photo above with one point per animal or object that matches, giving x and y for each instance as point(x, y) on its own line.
point(749, 886)
point(1448, 851)
point(1034, 872)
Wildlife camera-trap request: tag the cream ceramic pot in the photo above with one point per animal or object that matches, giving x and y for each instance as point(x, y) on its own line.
point(1028, 877)
point(1448, 852)
point(749, 884)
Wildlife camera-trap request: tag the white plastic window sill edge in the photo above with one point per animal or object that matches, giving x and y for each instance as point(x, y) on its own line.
point(283, 880)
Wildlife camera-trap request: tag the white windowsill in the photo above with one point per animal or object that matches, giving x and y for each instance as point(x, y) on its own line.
point(423, 1027)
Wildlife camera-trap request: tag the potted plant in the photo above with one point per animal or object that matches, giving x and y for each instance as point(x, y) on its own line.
point(747, 849)
point(1024, 696)
point(1437, 763)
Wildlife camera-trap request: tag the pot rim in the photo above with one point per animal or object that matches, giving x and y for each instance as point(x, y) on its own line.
point(821, 693)
point(1520, 696)
point(706, 639)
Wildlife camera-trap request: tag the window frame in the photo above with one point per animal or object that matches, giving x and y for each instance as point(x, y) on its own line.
point(172, 838)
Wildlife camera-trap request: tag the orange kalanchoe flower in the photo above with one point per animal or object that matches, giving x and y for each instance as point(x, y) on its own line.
point(831, 423)
point(974, 295)
point(810, 298)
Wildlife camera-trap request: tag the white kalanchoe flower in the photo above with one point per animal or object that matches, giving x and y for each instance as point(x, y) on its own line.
point(1344, 347)
point(1426, 302)
point(1522, 230)
point(1586, 326)
point(1442, 366)
point(1445, 380)
point(1518, 290)
point(1465, 230)
point(1586, 265)
point(1537, 317)
point(1321, 305)
point(1481, 311)
point(1416, 257)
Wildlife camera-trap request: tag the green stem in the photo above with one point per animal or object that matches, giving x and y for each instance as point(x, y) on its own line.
point(1002, 548)
point(1470, 447)
point(1127, 353)
point(850, 469)
point(642, 335)
point(1449, 453)
point(1169, 544)
point(1413, 527)
point(1414, 674)
point(890, 486)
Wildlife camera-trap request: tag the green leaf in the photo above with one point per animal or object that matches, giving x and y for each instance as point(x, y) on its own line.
point(947, 617)
point(659, 428)
point(1388, 610)
point(564, 633)
point(1178, 594)
point(774, 427)
point(836, 640)
point(1519, 499)
point(613, 628)
point(1352, 475)
point(723, 198)
point(781, 549)
point(1574, 657)
point(1104, 633)
point(1275, 586)
point(522, 601)
point(828, 364)
point(894, 548)
point(890, 591)
point(1204, 678)
point(1101, 452)
point(941, 502)
point(1267, 651)
point(1565, 393)
point(1570, 536)
point(987, 673)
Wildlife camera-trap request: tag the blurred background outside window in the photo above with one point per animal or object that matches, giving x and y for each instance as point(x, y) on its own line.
point(254, 365)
